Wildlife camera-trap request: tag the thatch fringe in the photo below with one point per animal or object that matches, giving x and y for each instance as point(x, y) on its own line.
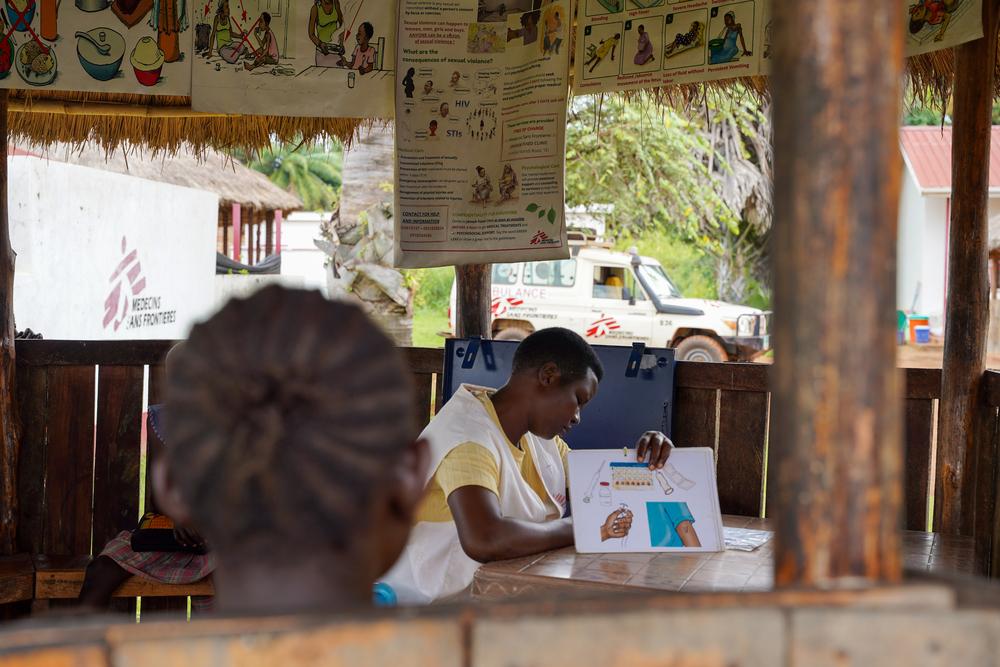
point(168, 134)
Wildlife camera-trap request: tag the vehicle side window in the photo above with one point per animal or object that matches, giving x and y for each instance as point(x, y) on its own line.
point(609, 283)
point(505, 274)
point(634, 288)
point(558, 273)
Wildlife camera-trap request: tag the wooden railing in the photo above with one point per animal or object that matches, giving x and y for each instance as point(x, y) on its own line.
point(79, 475)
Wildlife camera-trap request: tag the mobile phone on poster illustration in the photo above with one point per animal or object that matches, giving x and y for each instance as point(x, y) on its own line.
point(620, 505)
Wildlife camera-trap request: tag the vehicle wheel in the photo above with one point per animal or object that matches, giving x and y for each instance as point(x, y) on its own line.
point(701, 348)
point(511, 334)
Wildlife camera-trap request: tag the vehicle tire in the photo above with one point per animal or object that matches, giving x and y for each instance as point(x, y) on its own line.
point(701, 348)
point(511, 333)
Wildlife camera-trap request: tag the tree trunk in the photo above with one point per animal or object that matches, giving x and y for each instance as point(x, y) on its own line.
point(837, 441)
point(10, 428)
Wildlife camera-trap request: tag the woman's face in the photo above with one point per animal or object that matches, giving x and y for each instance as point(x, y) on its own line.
point(428, 87)
point(730, 21)
point(641, 30)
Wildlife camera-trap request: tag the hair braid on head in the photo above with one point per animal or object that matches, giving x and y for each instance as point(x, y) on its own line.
point(285, 411)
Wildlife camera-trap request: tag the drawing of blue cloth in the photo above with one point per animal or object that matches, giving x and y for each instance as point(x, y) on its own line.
point(663, 521)
point(727, 52)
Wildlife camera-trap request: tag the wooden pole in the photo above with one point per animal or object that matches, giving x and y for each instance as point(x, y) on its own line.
point(473, 300)
point(967, 316)
point(237, 229)
point(836, 437)
point(269, 233)
point(277, 230)
point(10, 428)
point(224, 221)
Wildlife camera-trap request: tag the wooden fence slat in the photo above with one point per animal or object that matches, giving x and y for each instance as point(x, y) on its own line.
point(157, 394)
point(424, 389)
point(740, 466)
point(918, 424)
point(116, 459)
point(69, 460)
point(694, 417)
point(32, 396)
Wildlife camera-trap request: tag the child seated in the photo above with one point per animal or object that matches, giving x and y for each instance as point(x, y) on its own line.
point(292, 429)
point(185, 562)
point(498, 488)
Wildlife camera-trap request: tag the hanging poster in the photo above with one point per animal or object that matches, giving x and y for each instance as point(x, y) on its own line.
point(107, 46)
point(331, 58)
point(481, 104)
point(630, 44)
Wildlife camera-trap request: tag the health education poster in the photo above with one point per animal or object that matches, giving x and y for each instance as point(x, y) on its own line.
point(481, 98)
point(107, 46)
point(630, 44)
point(328, 58)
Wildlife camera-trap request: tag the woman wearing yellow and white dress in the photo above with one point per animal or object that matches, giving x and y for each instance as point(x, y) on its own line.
point(497, 486)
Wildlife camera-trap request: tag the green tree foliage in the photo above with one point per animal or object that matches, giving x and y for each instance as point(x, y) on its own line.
point(703, 176)
point(311, 172)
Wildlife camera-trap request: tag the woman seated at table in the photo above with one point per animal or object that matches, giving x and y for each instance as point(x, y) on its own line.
point(498, 488)
point(293, 450)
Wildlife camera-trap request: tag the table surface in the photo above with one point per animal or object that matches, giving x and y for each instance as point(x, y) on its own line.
point(729, 571)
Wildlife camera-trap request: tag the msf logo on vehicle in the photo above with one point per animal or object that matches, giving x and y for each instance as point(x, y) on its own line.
point(501, 305)
point(602, 327)
point(541, 238)
point(116, 305)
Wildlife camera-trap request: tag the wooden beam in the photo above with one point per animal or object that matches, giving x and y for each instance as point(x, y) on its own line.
point(10, 427)
point(269, 233)
point(967, 315)
point(836, 435)
point(109, 109)
point(473, 317)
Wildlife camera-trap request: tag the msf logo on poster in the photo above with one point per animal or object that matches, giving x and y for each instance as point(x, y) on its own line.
point(602, 327)
point(541, 238)
point(120, 294)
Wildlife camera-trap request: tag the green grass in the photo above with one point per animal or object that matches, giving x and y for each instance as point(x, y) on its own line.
point(427, 322)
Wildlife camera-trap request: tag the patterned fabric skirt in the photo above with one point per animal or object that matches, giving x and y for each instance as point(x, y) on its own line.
point(165, 567)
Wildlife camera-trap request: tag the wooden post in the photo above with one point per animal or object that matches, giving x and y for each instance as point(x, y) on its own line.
point(10, 428)
point(237, 229)
point(836, 437)
point(473, 300)
point(277, 231)
point(225, 215)
point(959, 455)
point(269, 233)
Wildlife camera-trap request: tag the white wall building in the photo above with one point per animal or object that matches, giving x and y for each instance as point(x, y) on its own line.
point(924, 213)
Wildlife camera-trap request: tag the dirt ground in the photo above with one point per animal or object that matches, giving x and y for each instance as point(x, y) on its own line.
point(919, 356)
point(930, 356)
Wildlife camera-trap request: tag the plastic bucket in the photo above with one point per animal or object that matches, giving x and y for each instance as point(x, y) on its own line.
point(923, 335)
point(915, 321)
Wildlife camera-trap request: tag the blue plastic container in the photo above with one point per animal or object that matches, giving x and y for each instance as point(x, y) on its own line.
point(383, 595)
point(923, 335)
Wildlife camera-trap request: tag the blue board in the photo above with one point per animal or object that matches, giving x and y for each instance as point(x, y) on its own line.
point(635, 396)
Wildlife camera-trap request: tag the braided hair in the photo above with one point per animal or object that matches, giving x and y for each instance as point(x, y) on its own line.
point(286, 409)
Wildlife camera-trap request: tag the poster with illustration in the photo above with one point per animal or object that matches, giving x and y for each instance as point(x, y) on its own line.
point(481, 105)
point(107, 46)
point(621, 506)
point(693, 41)
point(323, 58)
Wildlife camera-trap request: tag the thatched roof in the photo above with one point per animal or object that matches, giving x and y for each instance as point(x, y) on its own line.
point(161, 123)
point(210, 170)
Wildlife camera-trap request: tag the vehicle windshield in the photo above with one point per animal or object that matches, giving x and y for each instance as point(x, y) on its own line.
point(658, 283)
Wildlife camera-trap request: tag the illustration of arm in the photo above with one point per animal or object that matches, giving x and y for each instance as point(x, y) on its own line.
point(313, 37)
point(689, 538)
point(739, 28)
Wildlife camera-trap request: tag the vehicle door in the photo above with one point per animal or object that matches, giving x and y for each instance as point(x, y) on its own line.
point(620, 310)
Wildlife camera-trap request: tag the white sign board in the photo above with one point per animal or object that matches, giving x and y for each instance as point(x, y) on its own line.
point(620, 505)
point(122, 258)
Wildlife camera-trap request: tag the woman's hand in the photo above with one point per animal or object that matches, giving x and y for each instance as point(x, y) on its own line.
point(655, 448)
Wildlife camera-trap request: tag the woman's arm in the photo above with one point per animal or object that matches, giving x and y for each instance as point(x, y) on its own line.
point(739, 29)
point(313, 21)
point(486, 535)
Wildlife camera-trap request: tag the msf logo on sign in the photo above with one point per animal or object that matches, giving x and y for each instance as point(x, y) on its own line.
point(501, 306)
point(116, 305)
point(603, 327)
point(541, 238)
